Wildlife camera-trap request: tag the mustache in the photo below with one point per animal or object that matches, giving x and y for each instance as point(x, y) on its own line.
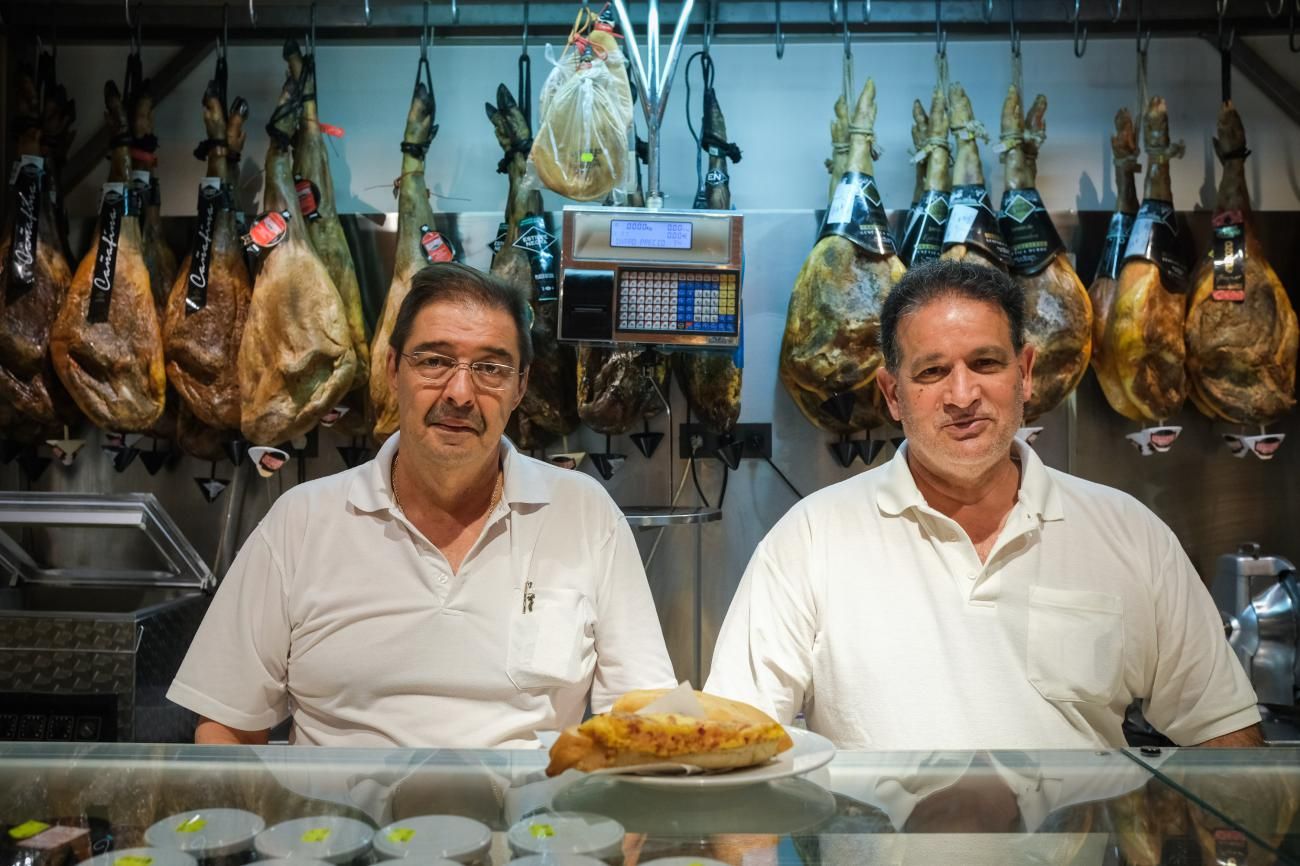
point(441, 414)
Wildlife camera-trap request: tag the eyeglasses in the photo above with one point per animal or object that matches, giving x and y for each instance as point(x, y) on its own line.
point(439, 369)
point(1263, 446)
point(1154, 440)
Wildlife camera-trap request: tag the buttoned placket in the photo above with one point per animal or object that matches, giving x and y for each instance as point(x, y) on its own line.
point(435, 559)
point(974, 575)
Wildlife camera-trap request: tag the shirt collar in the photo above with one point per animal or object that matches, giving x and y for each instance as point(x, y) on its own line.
point(898, 491)
point(372, 488)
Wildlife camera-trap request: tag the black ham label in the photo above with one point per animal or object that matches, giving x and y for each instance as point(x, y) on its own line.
point(211, 202)
point(1229, 253)
point(435, 246)
point(972, 222)
point(503, 231)
point(923, 231)
point(539, 244)
point(22, 253)
point(856, 213)
point(267, 230)
point(1028, 230)
point(308, 198)
point(1112, 252)
point(114, 206)
point(1155, 238)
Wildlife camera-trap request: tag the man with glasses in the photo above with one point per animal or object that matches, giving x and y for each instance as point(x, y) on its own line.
point(451, 592)
point(964, 595)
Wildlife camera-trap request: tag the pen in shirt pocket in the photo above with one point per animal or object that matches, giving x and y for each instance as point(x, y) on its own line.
point(529, 595)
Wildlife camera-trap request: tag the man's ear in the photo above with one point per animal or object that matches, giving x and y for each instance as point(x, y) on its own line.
point(1026, 367)
point(393, 359)
point(888, 383)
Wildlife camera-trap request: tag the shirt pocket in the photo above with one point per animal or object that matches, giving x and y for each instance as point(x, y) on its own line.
point(1076, 644)
point(554, 643)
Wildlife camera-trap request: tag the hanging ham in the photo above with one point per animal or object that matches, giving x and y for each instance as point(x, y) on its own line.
point(209, 300)
point(525, 260)
point(1124, 150)
point(972, 232)
point(158, 256)
point(417, 245)
point(35, 276)
point(923, 229)
point(296, 359)
point(831, 350)
point(711, 381)
point(1144, 336)
point(1058, 312)
point(619, 388)
point(315, 186)
point(1241, 328)
point(106, 343)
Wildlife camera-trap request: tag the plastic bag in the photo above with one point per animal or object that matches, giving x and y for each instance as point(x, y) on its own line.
point(580, 147)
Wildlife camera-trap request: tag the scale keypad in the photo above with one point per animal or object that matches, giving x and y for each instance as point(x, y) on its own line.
point(688, 302)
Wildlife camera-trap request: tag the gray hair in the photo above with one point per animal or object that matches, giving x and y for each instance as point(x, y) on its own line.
point(452, 281)
point(947, 279)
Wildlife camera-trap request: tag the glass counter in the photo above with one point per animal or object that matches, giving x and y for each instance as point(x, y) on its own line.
point(1183, 806)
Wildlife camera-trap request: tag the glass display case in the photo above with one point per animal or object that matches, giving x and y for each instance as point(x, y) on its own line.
point(149, 805)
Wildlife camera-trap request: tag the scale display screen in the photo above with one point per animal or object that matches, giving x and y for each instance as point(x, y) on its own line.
point(650, 234)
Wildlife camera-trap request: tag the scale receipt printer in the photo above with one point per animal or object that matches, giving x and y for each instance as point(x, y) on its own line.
point(633, 276)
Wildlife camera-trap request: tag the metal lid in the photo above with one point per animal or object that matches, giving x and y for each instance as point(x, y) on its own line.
point(207, 832)
point(151, 533)
point(448, 836)
point(142, 857)
point(325, 837)
point(554, 860)
point(566, 833)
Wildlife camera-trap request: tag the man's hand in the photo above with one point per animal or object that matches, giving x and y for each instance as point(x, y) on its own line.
point(209, 732)
point(1246, 738)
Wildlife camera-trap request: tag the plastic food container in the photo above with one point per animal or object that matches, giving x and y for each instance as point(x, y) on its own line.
point(294, 862)
point(142, 857)
point(567, 833)
point(450, 837)
point(556, 860)
point(325, 837)
point(216, 837)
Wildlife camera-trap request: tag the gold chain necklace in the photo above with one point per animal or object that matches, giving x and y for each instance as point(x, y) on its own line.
point(497, 489)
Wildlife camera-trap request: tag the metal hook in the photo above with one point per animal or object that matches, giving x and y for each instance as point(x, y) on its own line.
point(988, 11)
point(252, 16)
point(311, 29)
point(835, 11)
point(940, 35)
point(1119, 11)
point(1291, 40)
point(127, 7)
point(1080, 45)
point(1015, 31)
point(225, 30)
point(1281, 7)
point(844, 23)
point(866, 11)
point(710, 22)
point(1226, 42)
point(424, 35)
point(1143, 39)
point(136, 38)
point(455, 13)
point(523, 46)
point(367, 10)
point(780, 34)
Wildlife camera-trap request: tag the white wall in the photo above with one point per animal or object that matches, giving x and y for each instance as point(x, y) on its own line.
point(777, 111)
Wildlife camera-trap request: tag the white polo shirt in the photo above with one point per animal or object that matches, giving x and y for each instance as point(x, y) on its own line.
point(871, 612)
point(339, 611)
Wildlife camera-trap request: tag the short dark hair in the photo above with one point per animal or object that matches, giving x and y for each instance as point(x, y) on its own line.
point(452, 281)
point(946, 279)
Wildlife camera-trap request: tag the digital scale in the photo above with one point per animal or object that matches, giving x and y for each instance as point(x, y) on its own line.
point(651, 277)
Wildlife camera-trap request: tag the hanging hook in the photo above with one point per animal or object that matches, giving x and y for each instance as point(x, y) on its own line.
point(252, 16)
point(523, 45)
point(835, 11)
point(424, 35)
point(1281, 7)
point(126, 6)
point(988, 11)
point(844, 23)
point(1119, 11)
point(1015, 31)
point(311, 29)
point(710, 22)
point(780, 34)
point(1226, 39)
point(940, 35)
point(1080, 44)
point(866, 11)
point(367, 11)
point(225, 31)
point(455, 12)
point(1143, 39)
point(135, 38)
point(1291, 40)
